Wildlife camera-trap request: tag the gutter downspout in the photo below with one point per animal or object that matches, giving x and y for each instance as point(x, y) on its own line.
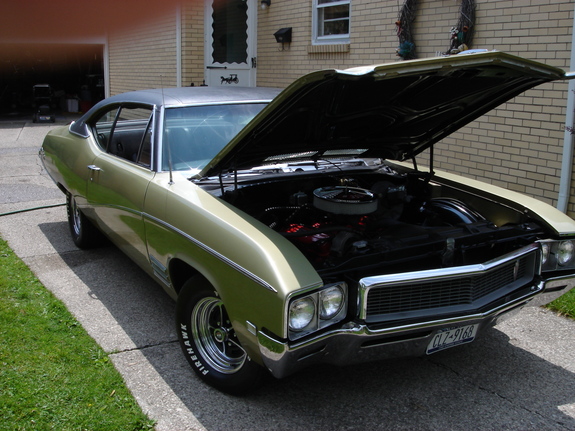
point(179, 45)
point(567, 158)
point(106, 60)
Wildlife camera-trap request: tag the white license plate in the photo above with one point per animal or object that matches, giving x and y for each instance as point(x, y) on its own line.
point(451, 337)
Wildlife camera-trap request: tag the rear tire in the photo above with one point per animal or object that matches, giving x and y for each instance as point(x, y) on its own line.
point(84, 233)
point(209, 342)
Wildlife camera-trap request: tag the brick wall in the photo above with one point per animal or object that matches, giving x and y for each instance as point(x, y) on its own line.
point(192, 43)
point(143, 56)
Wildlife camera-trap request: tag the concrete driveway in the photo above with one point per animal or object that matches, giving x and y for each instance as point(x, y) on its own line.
point(521, 376)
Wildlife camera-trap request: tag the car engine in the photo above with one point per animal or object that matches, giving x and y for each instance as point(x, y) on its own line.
point(361, 224)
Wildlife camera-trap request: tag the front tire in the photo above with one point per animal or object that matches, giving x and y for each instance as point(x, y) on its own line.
point(83, 232)
point(209, 342)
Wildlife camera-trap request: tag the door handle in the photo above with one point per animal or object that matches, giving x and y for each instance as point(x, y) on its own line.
point(93, 168)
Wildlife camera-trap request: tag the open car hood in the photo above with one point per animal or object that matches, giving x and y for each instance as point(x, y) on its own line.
point(391, 111)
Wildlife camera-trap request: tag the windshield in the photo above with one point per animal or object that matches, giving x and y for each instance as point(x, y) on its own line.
point(194, 135)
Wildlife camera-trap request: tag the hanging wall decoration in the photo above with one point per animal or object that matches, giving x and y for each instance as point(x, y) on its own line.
point(406, 48)
point(462, 33)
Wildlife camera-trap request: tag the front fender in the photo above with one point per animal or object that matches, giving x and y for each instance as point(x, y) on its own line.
point(253, 268)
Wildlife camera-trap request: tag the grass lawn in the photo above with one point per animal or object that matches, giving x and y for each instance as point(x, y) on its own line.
point(565, 305)
point(53, 375)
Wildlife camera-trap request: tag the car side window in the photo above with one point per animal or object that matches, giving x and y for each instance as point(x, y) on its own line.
point(103, 127)
point(145, 155)
point(126, 132)
point(129, 132)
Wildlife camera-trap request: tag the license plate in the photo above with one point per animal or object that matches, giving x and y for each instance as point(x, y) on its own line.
point(451, 337)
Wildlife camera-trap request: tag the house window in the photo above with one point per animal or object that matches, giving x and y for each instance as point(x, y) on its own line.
point(331, 21)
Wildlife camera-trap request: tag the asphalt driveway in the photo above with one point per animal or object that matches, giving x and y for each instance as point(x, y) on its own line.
point(521, 376)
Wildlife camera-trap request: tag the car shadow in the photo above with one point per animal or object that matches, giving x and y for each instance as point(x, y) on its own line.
point(488, 384)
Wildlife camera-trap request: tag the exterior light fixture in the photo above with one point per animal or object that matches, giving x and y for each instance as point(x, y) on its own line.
point(283, 35)
point(265, 4)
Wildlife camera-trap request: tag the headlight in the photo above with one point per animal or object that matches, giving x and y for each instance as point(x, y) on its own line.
point(301, 313)
point(565, 253)
point(330, 301)
point(317, 310)
point(557, 255)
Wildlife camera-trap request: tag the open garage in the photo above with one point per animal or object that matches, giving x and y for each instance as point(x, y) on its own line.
point(63, 44)
point(67, 77)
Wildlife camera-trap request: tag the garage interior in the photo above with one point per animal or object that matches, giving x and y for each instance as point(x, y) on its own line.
point(73, 72)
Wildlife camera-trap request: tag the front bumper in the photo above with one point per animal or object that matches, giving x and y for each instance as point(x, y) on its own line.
point(355, 342)
point(553, 288)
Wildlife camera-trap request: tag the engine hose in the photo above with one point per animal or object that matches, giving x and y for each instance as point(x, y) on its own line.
point(31, 209)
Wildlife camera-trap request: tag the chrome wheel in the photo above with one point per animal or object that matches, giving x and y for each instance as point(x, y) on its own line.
point(84, 233)
point(76, 217)
point(215, 338)
point(209, 342)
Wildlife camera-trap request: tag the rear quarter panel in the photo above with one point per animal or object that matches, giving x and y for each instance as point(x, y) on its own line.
point(66, 158)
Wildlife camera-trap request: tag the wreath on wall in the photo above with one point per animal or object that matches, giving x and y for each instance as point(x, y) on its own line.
point(406, 48)
point(461, 34)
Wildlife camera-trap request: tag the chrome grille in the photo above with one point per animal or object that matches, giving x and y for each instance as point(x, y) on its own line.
point(456, 289)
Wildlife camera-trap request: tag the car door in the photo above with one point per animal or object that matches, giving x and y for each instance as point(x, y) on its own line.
point(120, 175)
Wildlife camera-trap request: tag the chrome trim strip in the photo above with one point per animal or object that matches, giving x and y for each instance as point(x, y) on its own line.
point(160, 271)
point(213, 252)
point(252, 329)
point(76, 133)
point(225, 102)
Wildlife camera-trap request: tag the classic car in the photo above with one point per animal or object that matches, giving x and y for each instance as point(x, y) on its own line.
point(297, 228)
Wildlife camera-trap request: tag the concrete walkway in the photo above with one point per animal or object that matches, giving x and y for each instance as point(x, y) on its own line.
point(521, 376)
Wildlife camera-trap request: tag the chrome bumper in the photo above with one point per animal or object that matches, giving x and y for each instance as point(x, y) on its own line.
point(355, 342)
point(553, 288)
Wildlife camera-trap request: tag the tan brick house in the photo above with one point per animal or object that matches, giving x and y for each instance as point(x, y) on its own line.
point(232, 42)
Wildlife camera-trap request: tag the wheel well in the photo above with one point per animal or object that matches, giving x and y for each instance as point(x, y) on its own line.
point(180, 272)
point(62, 189)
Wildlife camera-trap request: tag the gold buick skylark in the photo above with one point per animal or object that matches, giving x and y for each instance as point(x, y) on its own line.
point(297, 228)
